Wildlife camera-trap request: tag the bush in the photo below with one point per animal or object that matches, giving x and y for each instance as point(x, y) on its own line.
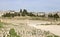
point(8, 15)
point(1, 24)
point(50, 36)
point(56, 36)
point(50, 16)
point(13, 33)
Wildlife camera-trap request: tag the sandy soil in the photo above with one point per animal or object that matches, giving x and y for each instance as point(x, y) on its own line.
point(52, 28)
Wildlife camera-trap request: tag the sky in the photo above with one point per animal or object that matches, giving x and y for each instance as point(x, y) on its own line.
point(30, 5)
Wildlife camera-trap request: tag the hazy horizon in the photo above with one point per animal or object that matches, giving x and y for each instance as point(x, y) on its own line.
point(30, 5)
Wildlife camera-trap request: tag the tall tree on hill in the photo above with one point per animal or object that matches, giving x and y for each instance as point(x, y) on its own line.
point(24, 12)
point(20, 10)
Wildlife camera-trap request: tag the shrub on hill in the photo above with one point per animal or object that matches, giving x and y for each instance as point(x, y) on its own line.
point(12, 33)
point(1, 24)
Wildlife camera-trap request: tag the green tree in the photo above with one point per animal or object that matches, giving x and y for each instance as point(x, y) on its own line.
point(50, 15)
point(20, 10)
point(8, 15)
point(30, 14)
point(56, 16)
point(24, 12)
